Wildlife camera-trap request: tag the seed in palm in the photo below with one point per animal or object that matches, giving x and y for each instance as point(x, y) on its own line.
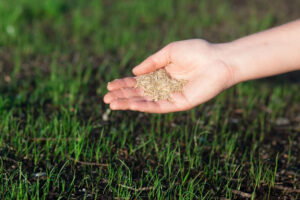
point(159, 85)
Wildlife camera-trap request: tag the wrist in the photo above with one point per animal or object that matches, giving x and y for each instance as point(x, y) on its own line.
point(271, 52)
point(227, 56)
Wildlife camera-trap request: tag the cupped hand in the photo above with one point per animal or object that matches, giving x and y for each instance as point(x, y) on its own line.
point(200, 63)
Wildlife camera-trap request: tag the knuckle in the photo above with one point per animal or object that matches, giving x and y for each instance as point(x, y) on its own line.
point(132, 106)
point(153, 60)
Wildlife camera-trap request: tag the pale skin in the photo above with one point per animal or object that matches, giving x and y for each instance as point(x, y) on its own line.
point(210, 68)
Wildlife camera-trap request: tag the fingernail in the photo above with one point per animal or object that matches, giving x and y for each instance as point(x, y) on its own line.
point(108, 86)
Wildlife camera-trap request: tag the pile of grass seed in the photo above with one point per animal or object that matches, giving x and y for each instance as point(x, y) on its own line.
point(159, 85)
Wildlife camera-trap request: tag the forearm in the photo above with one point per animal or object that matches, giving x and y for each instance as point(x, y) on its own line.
point(263, 54)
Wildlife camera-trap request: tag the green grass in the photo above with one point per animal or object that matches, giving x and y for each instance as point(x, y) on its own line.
point(55, 60)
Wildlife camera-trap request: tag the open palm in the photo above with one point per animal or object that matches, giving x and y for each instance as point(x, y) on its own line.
point(197, 61)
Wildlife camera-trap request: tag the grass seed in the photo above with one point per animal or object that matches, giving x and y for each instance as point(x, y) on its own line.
point(159, 85)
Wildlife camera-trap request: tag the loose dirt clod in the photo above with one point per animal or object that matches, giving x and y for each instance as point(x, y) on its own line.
point(159, 85)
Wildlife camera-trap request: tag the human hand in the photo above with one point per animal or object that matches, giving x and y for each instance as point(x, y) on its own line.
point(197, 61)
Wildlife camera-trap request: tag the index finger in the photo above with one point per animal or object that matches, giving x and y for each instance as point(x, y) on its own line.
point(121, 83)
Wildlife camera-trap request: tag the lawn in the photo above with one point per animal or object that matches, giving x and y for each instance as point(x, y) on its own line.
point(58, 140)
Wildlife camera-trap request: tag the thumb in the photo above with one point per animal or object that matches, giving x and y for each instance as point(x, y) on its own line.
point(158, 60)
